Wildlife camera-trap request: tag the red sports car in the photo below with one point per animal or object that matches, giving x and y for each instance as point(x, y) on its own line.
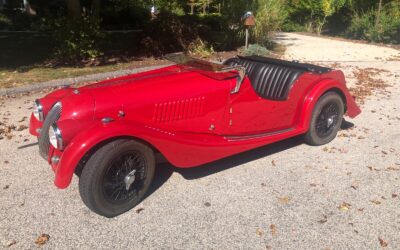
point(192, 112)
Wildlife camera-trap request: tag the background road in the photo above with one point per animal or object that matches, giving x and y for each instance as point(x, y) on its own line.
point(286, 195)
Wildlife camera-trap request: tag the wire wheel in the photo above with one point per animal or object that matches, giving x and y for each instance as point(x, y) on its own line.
point(327, 120)
point(124, 178)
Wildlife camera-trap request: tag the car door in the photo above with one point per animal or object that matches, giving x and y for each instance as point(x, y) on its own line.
point(251, 114)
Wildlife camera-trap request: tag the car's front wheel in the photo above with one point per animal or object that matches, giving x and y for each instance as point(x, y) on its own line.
point(326, 119)
point(116, 177)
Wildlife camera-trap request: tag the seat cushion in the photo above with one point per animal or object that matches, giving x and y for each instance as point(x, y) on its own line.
point(269, 80)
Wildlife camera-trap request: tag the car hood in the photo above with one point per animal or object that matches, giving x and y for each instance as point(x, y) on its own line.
point(112, 96)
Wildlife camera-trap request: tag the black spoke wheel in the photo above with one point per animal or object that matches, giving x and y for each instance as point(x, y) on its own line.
point(130, 166)
point(116, 177)
point(326, 119)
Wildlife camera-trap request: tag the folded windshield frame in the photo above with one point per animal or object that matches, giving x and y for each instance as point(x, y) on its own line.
point(199, 64)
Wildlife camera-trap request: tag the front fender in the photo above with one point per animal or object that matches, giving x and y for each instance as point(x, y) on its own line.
point(317, 91)
point(88, 139)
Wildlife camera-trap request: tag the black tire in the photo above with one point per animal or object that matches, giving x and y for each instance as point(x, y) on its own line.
point(326, 119)
point(107, 185)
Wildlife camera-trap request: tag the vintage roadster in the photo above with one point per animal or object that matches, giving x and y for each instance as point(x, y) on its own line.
point(192, 113)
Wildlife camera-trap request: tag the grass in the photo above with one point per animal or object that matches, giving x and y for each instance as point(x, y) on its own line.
point(24, 58)
point(23, 76)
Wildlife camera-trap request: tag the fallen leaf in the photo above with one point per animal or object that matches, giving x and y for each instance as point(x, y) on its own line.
point(273, 229)
point(394, 195)
point(382, 242)
point(273, 163)
point(42, 239)
point(284, 199)
point(207, 204)
point(354, 185)
point(384, 152)
point(313, 184)
point(11, 243)
point(22, 127)
point(324, 220)
point(139, 210)
point(344, 206)
point(259, 232)
point(23, 119)
point(6, 162)
point(376, 202)
point(370, 168)
point(360, 209)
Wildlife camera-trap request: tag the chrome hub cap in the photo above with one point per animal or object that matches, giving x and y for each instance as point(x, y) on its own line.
point(129, 179)
point(330, 121)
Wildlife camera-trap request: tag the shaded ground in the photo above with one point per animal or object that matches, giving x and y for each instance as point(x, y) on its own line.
point(283, 196)
point(25, 58)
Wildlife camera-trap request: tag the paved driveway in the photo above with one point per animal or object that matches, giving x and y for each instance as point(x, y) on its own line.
point(286, 195)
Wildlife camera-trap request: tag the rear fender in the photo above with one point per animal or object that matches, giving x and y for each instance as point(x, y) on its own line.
point(317, 91)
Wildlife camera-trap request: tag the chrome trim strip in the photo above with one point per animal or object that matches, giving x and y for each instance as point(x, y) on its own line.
point(256, 136)
point(39, 110)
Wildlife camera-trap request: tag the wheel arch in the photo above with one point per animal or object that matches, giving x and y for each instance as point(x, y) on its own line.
point(312, 97)
point(81, 164)
point(86, 143)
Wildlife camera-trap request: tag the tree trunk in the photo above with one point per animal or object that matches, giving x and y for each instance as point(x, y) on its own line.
point(378, 14)
point(96, 8)
point(74, 8)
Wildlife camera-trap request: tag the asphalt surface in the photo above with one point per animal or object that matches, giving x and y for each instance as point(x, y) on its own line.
point(345, 195)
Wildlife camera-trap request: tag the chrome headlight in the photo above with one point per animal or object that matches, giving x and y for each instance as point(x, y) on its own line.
point(55, 137)
point(38, 111)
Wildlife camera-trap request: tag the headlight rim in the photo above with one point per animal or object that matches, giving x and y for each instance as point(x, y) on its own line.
point(38, 111)
point(58, 144)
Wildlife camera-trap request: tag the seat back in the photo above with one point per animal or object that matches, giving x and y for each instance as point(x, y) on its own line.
point(269, 80)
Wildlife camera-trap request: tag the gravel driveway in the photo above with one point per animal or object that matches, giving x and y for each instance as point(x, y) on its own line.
point(288, 195)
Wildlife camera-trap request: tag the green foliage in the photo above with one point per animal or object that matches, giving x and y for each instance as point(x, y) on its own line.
point(200, 48)
point(168, 33)
point(313, 14)
point(255, 50)
point(76, 39)
point(270, 16)
point(4, 21)
point(363, 26)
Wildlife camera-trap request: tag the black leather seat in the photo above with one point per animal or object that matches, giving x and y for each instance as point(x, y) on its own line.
point(272, 78)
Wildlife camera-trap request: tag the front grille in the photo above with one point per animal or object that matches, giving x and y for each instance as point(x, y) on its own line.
point(51, 118)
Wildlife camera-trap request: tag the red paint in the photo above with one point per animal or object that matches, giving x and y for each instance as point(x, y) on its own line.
point(190, 117)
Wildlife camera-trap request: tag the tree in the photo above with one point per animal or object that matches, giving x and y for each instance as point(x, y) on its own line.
point(74, 8)
point(378, 13)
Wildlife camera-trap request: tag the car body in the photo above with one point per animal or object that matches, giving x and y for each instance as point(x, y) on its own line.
point(193, 112)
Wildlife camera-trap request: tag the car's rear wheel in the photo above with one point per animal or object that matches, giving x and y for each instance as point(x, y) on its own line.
point(326, 119)
point(116, 177)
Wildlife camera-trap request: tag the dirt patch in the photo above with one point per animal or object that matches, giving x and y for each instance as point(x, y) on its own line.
point(368, 82)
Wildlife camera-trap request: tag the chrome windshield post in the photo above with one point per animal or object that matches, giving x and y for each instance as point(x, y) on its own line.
point(239, 79)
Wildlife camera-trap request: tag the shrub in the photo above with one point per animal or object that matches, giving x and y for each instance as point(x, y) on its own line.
point(290, 26)
point(76, 39)
point(363, 26)
point(270, 16)
point(254, 50)
point(4, 21)
point(200, 48)
point(168, 33)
